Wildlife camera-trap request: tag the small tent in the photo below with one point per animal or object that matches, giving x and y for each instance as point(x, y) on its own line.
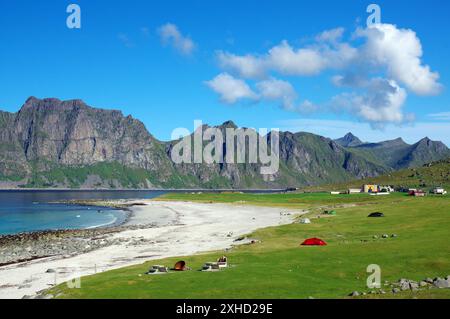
point(305, 221)
point(314, 242)
point(376, 214)
point(180, 266)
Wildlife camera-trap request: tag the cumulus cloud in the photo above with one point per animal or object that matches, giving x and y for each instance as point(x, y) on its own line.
point(332, 35)
point(231, 89)
point(381, 103)
point(400, 51)
point(278, 90)
point(381, 64)
point(247, 66)
point(283, 92)
point(171, 35)
point(289, 61)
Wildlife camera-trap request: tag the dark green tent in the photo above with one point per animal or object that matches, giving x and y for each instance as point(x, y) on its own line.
point(376, 214)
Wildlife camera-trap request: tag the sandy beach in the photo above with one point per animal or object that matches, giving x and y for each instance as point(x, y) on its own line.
point(155, 230)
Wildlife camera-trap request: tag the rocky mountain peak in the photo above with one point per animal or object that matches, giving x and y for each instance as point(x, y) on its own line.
point(33, 103)
point(349, 140)
point(229, 124)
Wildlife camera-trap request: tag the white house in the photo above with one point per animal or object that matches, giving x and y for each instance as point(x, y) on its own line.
point(439, 191)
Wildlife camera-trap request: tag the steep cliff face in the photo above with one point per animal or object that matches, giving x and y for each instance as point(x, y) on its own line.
point(12, 159)
point(71, 133)
point(50, 132)
point(53, 143)
point(319, 158)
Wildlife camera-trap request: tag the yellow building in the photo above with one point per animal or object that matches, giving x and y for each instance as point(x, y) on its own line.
point(370, 188)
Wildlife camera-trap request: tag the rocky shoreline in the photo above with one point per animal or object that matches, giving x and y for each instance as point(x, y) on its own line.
point(23, 247)
point(403, 285)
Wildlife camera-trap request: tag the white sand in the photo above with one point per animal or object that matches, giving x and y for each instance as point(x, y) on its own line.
point(182, 229)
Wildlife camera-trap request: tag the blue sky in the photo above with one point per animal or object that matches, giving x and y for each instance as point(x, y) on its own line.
point(157, 60)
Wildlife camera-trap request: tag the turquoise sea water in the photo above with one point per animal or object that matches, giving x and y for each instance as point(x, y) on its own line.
point(27, 211)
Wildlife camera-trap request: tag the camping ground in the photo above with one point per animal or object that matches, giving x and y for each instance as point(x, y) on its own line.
point(278, 267)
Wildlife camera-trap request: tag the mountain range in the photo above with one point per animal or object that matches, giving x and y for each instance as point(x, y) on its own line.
point(59, 144)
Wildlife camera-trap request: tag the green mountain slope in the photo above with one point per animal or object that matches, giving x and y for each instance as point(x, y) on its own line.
point(426, 177)
point(53, 143)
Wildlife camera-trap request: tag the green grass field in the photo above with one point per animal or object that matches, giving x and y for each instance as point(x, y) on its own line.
point(279, 267)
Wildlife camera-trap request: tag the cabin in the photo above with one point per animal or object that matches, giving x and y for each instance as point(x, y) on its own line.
point(370, 188)
point(386, 189)
point(439, 191)
point(417, 193)
point(354, 191)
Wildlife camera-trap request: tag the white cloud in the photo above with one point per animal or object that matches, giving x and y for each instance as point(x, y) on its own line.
point(387, 49)
point(170, 35)
point(287, 60)
point(400, 51)
point(247, 66)
point(332, 35)
point(380, 64)
point(278, 90)
point(230, 89)
point(442, 116)
point(381, 103)
point(307, 107)
point(305, 61)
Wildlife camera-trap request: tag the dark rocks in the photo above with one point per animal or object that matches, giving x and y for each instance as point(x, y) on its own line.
point(38, 245)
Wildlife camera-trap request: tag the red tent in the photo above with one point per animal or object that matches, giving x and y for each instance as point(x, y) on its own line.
point(314, 242)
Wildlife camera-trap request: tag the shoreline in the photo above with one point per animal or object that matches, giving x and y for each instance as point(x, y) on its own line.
point(154, 230)
point(35, 234)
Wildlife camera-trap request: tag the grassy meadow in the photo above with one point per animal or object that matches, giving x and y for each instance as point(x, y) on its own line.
point(278, 267)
